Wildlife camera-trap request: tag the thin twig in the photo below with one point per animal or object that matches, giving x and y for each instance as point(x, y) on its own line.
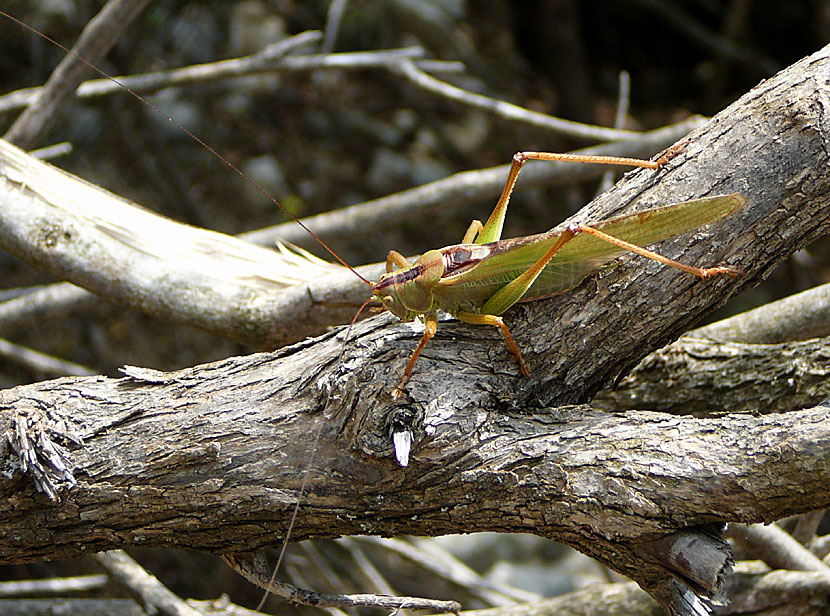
point(433, 559)
point(258, 575)
point(775, 547)
point(807, 525)
point(365, 566)
point(143, 586)
point(97, 38)
point(623, 102)
point(272, 59)
point(508, 111)
point(333, 19)
point(39, 362)
point(45, 303)
point(56, 150)
point(52, 585)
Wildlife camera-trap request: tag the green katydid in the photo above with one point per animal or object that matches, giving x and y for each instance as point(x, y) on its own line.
point(479, 279)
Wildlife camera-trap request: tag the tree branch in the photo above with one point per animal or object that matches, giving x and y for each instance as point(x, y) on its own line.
point(212, 457)
point(189, 460)
point(95, 41)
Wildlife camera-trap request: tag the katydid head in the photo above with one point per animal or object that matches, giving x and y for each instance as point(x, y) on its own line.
point(408, 292)
point(386, 291)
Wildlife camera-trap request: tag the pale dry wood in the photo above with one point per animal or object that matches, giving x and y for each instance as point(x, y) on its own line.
point(798, 317)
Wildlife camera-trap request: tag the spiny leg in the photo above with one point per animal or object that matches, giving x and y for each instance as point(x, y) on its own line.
point(701, 272)
point(489, 319)
point(430, 327)
point(493, 227)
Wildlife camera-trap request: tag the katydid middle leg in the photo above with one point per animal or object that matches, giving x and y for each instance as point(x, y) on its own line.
point(490, 319)
point(395, 258)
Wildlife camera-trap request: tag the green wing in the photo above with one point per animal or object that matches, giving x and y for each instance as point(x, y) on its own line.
point(583, 254)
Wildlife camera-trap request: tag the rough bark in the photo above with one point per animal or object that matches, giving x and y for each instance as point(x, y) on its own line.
point(694, 375)
point(213, 457)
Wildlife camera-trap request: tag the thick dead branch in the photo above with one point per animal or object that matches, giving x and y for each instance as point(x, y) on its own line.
point(188, 460)
point(695, 375)
point(212, 457)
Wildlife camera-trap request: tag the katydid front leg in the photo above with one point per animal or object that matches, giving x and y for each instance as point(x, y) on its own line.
point(430, 327)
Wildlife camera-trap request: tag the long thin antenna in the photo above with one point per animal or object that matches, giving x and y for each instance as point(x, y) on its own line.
point(190, 134)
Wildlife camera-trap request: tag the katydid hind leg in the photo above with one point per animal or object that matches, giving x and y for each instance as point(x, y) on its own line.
point(493, 227)
point(700, 272)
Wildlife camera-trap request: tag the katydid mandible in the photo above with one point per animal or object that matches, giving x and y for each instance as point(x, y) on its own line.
point(480, 278)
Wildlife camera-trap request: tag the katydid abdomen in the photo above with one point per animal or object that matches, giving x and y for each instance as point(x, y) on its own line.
point(494, 265)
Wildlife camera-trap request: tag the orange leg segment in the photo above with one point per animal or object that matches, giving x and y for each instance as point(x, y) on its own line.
point(702, 272)
point(490, 319)
point(430, 327)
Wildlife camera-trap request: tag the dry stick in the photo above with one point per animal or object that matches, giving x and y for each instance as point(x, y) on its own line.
point(775, 547)
point(272, 59)
point(78, 607)
point(49, 152)
point(259, 576)
point(52, 585)
point(36, 361)
point(623, 102)
point(508, 111)
point(97, 38)
point(144, 587)
point(807, 525)
point(797, 317)
point(439, 563)
point(45, 303)
point(333, 19)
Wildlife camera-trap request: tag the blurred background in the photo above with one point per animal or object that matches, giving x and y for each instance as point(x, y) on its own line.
point(319, 140)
